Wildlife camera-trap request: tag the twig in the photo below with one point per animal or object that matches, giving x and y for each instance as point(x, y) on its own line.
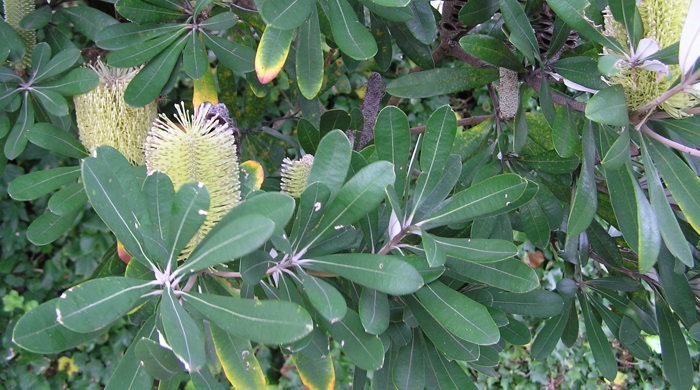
point(670, 143)
point(224, 274)
point(474, 120)
point(533, 80)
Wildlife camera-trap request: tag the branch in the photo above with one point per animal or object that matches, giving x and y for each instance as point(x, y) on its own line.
point(533, 80)
point(474, 120)
point(670, 143)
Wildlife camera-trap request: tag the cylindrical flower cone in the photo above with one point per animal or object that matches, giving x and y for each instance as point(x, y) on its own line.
point(104, 118)
point(295, 175)
point(15, 11)
point(197, 148)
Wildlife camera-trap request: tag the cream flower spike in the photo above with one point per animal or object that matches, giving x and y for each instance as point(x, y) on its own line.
point(295, 175)
point(104, 118)
point(197, 148)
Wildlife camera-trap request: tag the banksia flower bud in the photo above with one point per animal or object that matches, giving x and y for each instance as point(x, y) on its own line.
point(198, 148)
point(508, 98)
point(15, 11)
point(295, 174)
point(104, 118)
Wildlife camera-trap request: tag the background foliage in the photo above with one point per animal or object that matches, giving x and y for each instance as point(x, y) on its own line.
point(503, 194)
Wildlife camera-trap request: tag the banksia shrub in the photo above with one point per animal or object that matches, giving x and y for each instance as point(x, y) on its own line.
point(645, 80)
point(15, 11)
point(197, 148)
point(104, 118)
point(295, 174)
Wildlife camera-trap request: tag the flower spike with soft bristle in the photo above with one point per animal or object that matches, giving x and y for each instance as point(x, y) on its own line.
point(197, 148)
point(295, 175)
point(104, 118)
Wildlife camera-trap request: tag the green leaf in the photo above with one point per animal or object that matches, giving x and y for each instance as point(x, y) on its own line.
point(365, 350)
point(88, 20)
point(36, 19)
point(236, 57)
point(621, 187)
point(487, 196)
point(602, 352)
point(441, 81)
point(309, 59)
point(449, 344)
point(272, 53)
point(416, 51)
point(308, 135)
point(335, 119)
point(373, 308)
point(683, 183)
point(510, 275)
point(608, 106)
point(649, 237)
point(49, 227)
point(315, 365)
point(59, 63)
point(263, 321)
point(516, 333)
point(312, 201)
point(393, 14)
point(35, 184)
point(159, 193)
point(392, 138)
point(147, 12)
point(676, 288)
point(39, 332)
point(331, 161)
point(129, 374)
point(12, 41)
point(538, 303)
point(219, 22)
point(547, 338)
point(573, 12)
point(109, 199)
point(409, 368)
point(392, 3)
point(286, 14)
point(68, 200)
point(275, 206)
point(180, 223)
point(585, 202)
point(478, 250)
point(619, 152)
point(123, 35)
point(668, 225)
point(440, 133)
point(324, 298)
point(581, 70)
point(143, 51)
point(194, 56)
point(422, 24)
point(446, 374)
point(477, 12)
point(352, 37)
point(228, 240)
point(564, 134)
point(626, 13)
point(356, 198)
point(550, 162)
point(388, 274)
point(53, 102)
point(434, 253)
point(95, 304)
point(156, 360)
point(181, 331)
point(460, 315)
point(535, 223)
point(694, 331)
point(146, 86)
point(17, 140)
point(521, 33)
point(203, 378)
point(238, 360)
point(490, 50)
point(75, 82)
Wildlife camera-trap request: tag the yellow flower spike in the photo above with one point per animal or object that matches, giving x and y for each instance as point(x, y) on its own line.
point(15, 11)
point(104, 118)
point(197, 148)
point(508, 90)
point(295, 174)
point(205, 89)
